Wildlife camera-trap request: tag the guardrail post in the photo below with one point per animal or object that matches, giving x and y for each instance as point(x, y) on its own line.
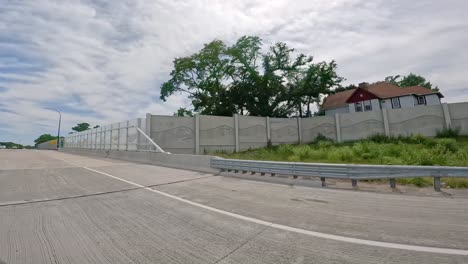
point(392, 183)
point(324, 184)
point(436, 184)
point(354, 183)
point(338, 128)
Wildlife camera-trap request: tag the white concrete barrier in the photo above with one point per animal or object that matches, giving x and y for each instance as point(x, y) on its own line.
point(199, 163)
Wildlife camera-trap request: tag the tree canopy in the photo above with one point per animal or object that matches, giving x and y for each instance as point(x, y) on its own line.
point(411, 80)
point(81, 127)
point(44, 138)
point(10, 145)
point(184, 112)
point(244, 79)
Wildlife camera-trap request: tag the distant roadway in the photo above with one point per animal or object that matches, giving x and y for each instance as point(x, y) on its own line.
point(62, 208)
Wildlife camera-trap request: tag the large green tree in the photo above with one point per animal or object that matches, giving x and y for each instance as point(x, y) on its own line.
point(222, 80)
point(44, 138)
point(316, 80)
point(203, 77)
point(411, 80)
point(81, 127)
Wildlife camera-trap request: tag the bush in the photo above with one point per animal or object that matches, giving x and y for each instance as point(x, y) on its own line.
point(448, 133)
point(448, 145)
point(320, 137)
point(379, 138)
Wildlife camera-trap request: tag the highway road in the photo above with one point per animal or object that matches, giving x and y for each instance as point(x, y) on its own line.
point(63, 208)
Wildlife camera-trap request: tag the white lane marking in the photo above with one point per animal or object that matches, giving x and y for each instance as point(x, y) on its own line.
point(374, 243)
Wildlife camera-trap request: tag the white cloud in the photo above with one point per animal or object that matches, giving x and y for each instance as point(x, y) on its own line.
point(103, 61)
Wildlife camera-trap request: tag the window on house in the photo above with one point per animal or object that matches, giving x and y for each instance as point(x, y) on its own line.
point(396, 102)
point(367, 105)
point(358, 107)
point(420, 100)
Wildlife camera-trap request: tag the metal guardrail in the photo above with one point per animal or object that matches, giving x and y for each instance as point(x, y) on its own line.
point(353, 172)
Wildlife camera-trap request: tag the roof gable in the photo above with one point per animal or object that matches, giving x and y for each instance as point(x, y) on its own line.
point(361, 94)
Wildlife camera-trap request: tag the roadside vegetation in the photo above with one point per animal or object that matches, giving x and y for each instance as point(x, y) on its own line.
point(447, 149)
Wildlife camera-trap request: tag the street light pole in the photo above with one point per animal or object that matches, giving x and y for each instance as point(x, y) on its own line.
point(60, 121)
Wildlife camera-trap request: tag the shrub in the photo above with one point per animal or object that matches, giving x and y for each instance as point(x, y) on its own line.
point(320, 137)
point(285, 150)
point(343, 154)
point(448, 145)
point(379, 138)
point(448, 133)
point(325, 144)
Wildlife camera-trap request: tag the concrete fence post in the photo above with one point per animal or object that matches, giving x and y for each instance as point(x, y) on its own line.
point(118, 136)
point(126, 134)
point(386, 124)
point(138, 139)
point(100, 138)
point(197, 133)
point(445, 110)
point(299, 130)
point(268, 133)
point(148, 126)
point(110, 137)
point(236, 131)
point(338, 128)
point(95, 139)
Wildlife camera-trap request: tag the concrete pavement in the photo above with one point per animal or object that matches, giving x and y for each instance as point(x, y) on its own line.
point(63, 208)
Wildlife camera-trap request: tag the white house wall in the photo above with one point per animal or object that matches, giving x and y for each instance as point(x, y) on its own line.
point(432, 99)
point(375, 104)
point(406, 101)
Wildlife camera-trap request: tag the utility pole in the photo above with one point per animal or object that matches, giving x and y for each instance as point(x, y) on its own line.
point(60, 121)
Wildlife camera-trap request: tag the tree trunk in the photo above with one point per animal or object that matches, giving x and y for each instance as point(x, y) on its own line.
point(300, 110)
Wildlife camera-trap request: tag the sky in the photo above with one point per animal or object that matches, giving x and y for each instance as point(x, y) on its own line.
point(104, 61)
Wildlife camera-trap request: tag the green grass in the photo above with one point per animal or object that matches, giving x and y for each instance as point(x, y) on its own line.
point(413, 150)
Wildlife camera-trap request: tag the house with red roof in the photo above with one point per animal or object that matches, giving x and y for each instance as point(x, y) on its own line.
point(377, 96)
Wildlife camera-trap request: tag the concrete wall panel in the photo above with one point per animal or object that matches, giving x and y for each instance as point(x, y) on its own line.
point(312, 127)
point(284, 131)
point(174, 134)
point(424, 120)
point(459, 117)
point(216, 133)
point(361, 125)
point(252, 132)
